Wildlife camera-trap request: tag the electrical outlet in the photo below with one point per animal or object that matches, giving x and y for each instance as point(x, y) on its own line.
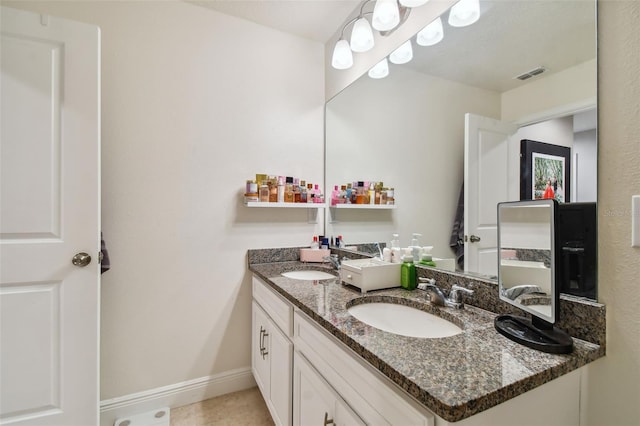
point(635, 221)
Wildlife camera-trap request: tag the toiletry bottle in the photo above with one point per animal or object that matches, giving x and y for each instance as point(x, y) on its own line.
point(297, 195)
point(281, 188)
point(339, 242)
point(264, 192)
point(335, 195)
point(318, 198)
point(314, 243)
point(408, 273)
point(391, 197)
point(288, 190)
point(273, 190)
point(383, 196)
point(372, 193)
point(426, 258)
point(395, 249)
point(349, 190)
point(416, 250)
point(310, 193)
point(360, 194)
point(303, 191)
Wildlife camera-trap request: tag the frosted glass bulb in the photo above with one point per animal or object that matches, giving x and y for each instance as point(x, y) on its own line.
point(386, 15)
point(380, 70)
point(342, 58)
point(431, 34)
point(464, 13)
point(412, 3)
point(402, 54)
point(361, 36)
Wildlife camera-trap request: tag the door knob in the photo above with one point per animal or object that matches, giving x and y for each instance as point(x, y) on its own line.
point(81, 259)
point(474, 239)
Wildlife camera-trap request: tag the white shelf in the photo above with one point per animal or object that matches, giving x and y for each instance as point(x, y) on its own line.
point(365, 206)
point(285, 205)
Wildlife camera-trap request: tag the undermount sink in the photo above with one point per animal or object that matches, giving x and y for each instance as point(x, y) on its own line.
point(308, 275)
point(403, 320)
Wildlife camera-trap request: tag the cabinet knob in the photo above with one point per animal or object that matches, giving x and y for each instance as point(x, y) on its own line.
point(327, 420)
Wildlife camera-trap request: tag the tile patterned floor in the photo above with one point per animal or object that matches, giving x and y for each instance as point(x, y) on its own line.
point(239, 408)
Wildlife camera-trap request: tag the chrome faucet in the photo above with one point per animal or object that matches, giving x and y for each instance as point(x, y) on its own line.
point(437, 297)
point(335, 261)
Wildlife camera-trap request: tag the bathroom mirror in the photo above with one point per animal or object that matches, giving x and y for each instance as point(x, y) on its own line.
point(529, 274)
point(408, 129)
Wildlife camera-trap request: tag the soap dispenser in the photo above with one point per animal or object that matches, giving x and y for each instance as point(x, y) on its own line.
point(408, 273)
point(415, 246)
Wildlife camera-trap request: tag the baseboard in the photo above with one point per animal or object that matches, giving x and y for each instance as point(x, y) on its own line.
point(175, 395)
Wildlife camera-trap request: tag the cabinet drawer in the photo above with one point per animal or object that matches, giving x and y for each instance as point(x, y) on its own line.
point(372, 396)
point(280, 311)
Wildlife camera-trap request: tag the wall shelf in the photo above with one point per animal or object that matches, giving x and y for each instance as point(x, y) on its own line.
point(333, 210)
point(285, 205)
point(365, 206)
point(311, 208)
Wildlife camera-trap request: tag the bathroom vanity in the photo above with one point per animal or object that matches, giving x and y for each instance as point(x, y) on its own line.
point(314, 362)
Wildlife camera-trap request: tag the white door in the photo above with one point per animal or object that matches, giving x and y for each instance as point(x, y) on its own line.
point(50, 211)
point(487, 153)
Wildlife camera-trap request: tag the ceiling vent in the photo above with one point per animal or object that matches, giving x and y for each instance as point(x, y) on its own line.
point(527, 75)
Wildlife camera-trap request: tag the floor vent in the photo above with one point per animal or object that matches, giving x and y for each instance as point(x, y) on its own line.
point(159, 417)
point(527, 75)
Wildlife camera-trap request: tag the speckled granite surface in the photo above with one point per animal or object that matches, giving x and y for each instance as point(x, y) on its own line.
point(454, 377)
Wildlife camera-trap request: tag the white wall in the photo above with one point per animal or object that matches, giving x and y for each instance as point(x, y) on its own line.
point(406, 130)
point(193, 103)
point(612, 386)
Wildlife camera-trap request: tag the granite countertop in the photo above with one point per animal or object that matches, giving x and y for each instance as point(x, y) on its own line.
point(454, 377)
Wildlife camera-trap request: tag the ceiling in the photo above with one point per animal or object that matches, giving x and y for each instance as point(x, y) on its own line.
point(510, 38)
point(316, 20)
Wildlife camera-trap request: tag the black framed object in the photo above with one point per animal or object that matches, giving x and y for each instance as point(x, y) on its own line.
point(545, 171)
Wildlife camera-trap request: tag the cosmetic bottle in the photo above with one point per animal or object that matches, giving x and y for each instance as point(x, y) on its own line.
point(348, 192)
point(361, 196)
point(288, 190)
point(297, 195)
point(318, 197)
point(383, 196)
point(415, 247)
point(264, 192)
point(408, 273)
point(391, 196)
point(281, 187)
point(273, 190)
point(310, 194)
point(303, 191)
point(315, 244)
point(335, 195)
point(378, 189)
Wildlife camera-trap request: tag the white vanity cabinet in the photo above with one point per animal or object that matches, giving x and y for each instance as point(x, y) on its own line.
point(272, 351)
point(315, 402)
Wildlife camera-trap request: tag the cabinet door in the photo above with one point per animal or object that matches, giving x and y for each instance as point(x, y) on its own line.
point(314, 401)
point(281, 363)
point(260, 350)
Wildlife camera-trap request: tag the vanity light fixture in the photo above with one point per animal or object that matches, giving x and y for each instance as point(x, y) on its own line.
point(386, 15)
point(361, 35)
point(379, 70)
point(413, 3)
point(402, 54)
point(464, 13)
point(342, 58)
point(431, 34)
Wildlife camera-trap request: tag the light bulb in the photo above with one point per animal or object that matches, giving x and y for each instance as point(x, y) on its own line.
point(412, 3)
point(342, 58)
point(386, 15)
point(361, 36)
point(431, 34)
point(464, 13)
point(379, 70)
point(402, 54)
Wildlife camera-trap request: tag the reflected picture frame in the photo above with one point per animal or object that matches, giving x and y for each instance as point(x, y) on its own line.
point(545, 171)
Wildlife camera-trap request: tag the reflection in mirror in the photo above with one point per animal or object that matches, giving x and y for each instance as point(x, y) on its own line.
point(528, 273)
point(408, 129)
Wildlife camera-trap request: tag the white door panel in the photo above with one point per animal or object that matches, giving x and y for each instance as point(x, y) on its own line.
point(50, 210)
point(487, 183)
